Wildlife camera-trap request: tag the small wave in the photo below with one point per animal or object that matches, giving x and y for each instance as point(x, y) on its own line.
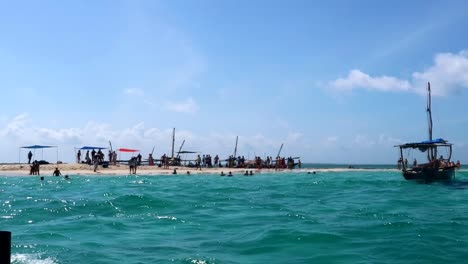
point(31, 259)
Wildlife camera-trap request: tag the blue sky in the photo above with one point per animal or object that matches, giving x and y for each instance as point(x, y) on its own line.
point(340, 82)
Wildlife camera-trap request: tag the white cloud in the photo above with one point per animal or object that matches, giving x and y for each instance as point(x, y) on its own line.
point(388, 140)
point(448, 74)
point(16, 127)
point(294, 137)
point(187, 106)
point(20, 131)
point(363, 140)
point(357, 79)
point(134, 91)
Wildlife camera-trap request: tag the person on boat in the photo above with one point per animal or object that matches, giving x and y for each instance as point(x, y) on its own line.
point(29, 157)
point(457, 164)
point(400, 162)
point(57, 172)
point(222, 173)
point(406, 163)
point(442, 162)
point(415, 163)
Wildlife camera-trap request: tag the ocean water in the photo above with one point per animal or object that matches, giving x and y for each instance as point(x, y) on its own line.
point(369, 216)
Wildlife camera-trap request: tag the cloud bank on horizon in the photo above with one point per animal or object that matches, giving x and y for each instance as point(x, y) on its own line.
point(447, 75)
point(20, 132)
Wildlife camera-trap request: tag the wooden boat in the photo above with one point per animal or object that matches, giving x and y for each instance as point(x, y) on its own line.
point(437, 167)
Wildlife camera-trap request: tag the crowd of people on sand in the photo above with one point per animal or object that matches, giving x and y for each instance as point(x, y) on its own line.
point(207, 161)
point(435, 163)
point(97, 158)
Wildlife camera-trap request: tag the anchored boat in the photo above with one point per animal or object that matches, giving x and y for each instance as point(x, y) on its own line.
point(437, 168)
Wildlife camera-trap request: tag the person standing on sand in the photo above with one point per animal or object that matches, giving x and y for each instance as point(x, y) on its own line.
point(132, 163)
point(139, 159)
point(198, 163)
point(114, 157)
point(96, 163)
point(93, 154)
point(35, 168)
point(29, 157)
point(78, 156)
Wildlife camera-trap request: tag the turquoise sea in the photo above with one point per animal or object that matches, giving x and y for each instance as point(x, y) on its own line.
point(370, 216)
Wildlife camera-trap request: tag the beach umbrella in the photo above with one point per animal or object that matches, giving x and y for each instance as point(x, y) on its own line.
point(127, 150)
point(34, 148)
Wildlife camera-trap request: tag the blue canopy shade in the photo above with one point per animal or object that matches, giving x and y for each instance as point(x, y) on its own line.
point(90, 148)
point(34, 147)
point(434, 141)
point(427, 144)
point(38, 147)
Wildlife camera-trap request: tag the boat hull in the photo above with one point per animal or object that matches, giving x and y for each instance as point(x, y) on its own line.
point(427, 175)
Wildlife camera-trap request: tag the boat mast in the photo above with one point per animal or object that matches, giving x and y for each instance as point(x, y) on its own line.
point(429, 113)
point(173, 140)
point(432, 153)
point(180, 149)
point(279, 151)
point(235, 149)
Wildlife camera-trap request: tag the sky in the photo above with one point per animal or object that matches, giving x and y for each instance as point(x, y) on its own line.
point(334, 81)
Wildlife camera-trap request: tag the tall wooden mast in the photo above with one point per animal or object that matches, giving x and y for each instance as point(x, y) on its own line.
point(173, 140)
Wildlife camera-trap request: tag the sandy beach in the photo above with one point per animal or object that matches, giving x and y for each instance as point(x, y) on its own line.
point(121, 169)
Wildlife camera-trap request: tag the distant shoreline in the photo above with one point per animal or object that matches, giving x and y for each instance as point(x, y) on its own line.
point(123, 170)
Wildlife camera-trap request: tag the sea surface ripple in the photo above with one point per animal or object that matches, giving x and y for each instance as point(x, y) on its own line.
point(292, 217)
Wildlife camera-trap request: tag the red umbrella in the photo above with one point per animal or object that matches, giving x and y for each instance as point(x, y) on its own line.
point(127, 150)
